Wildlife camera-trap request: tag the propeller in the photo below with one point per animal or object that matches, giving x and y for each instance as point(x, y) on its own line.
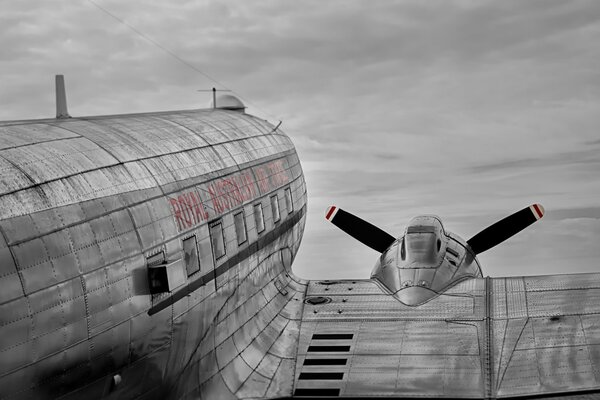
point(359, 229)
point(505, 228)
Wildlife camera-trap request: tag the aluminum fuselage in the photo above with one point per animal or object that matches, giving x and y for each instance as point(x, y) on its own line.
point(89, 206)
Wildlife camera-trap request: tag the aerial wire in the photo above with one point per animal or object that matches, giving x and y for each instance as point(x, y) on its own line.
point(174, 55)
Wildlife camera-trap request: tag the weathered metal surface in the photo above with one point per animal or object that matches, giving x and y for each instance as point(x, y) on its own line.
point(509, 337)
point(86, 203)
point(546, 334)
point(395, 350)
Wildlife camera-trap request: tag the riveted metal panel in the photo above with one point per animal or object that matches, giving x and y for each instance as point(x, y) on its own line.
point(33, 263)
point(562, 282)
point(374, 307)
point(55, 375)
point(268, 366)
point(226, 352)
point(566, 331)
point(149, 333)
point(76, 188)
point(154, 222)
point(228, 128)
point(112, 345)
point(499, 307)
point(281, 385)
point(565, 368)
point(563, 302)
point(254, 387)
point(507, 333)
point(57, 306)
point(254, 353)
point(376, 374)
point(235, 373)
point(526, 339)
point(23, 202)
point(24, 227)
point(134, 138)
point(285, 345)
point(257, 349)
point(215, 385)
point(246, 150)
point(185, 165)
point(18, 382)
point(198, 124)
point(516, 301)
point(12, 178)
point(10, 282)
point(15, 323)
point(57, 159)
point(15, 135)
point(15, 357)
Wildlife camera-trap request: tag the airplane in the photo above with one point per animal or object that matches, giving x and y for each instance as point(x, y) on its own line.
point(150, 256)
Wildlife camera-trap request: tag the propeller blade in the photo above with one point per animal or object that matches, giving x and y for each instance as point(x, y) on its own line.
point(505, 228)
point(359, 229)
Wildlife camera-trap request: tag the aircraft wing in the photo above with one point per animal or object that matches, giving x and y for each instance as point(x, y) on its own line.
point(483, 338)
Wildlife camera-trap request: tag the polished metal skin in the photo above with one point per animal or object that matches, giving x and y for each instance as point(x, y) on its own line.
point(111, 284)
point(424, 262)
point(482, 338)
point(149, 256)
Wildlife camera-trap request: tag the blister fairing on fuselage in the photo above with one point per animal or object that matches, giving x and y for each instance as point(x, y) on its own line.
point(424, 262)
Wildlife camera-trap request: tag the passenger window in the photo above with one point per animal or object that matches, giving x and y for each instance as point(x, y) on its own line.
point(259, 218)
point(289, 204)
point(240, 227)
point(218, 241)
point(190, 255)
point(275, 208)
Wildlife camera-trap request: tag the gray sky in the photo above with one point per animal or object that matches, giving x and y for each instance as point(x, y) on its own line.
point(470, 110)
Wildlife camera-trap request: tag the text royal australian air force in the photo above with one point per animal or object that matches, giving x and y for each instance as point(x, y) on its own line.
point(209, 200)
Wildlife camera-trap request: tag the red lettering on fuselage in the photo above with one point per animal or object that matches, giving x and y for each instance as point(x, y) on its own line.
point(263, 179)
point(228, 193)
point(278, 174)
point(188, 210)
point(271, 176)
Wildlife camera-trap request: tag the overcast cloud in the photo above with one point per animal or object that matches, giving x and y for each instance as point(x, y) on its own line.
point(469, 110)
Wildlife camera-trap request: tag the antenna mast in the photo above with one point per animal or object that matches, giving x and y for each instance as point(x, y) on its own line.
point(214, 94)
point(61, 98)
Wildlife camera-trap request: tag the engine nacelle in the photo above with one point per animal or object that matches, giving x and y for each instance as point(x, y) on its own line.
point(424, 262)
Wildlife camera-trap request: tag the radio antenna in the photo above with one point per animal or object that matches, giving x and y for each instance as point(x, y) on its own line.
point(214, 93)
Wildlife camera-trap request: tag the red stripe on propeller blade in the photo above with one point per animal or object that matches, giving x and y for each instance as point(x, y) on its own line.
point(330, 212)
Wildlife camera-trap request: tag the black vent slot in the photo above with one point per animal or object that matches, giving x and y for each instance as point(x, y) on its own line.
point(325, 361)
point(451, 251)
point(332, 336)
point(317, 392)
point(324, 349)
point(321, 376)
